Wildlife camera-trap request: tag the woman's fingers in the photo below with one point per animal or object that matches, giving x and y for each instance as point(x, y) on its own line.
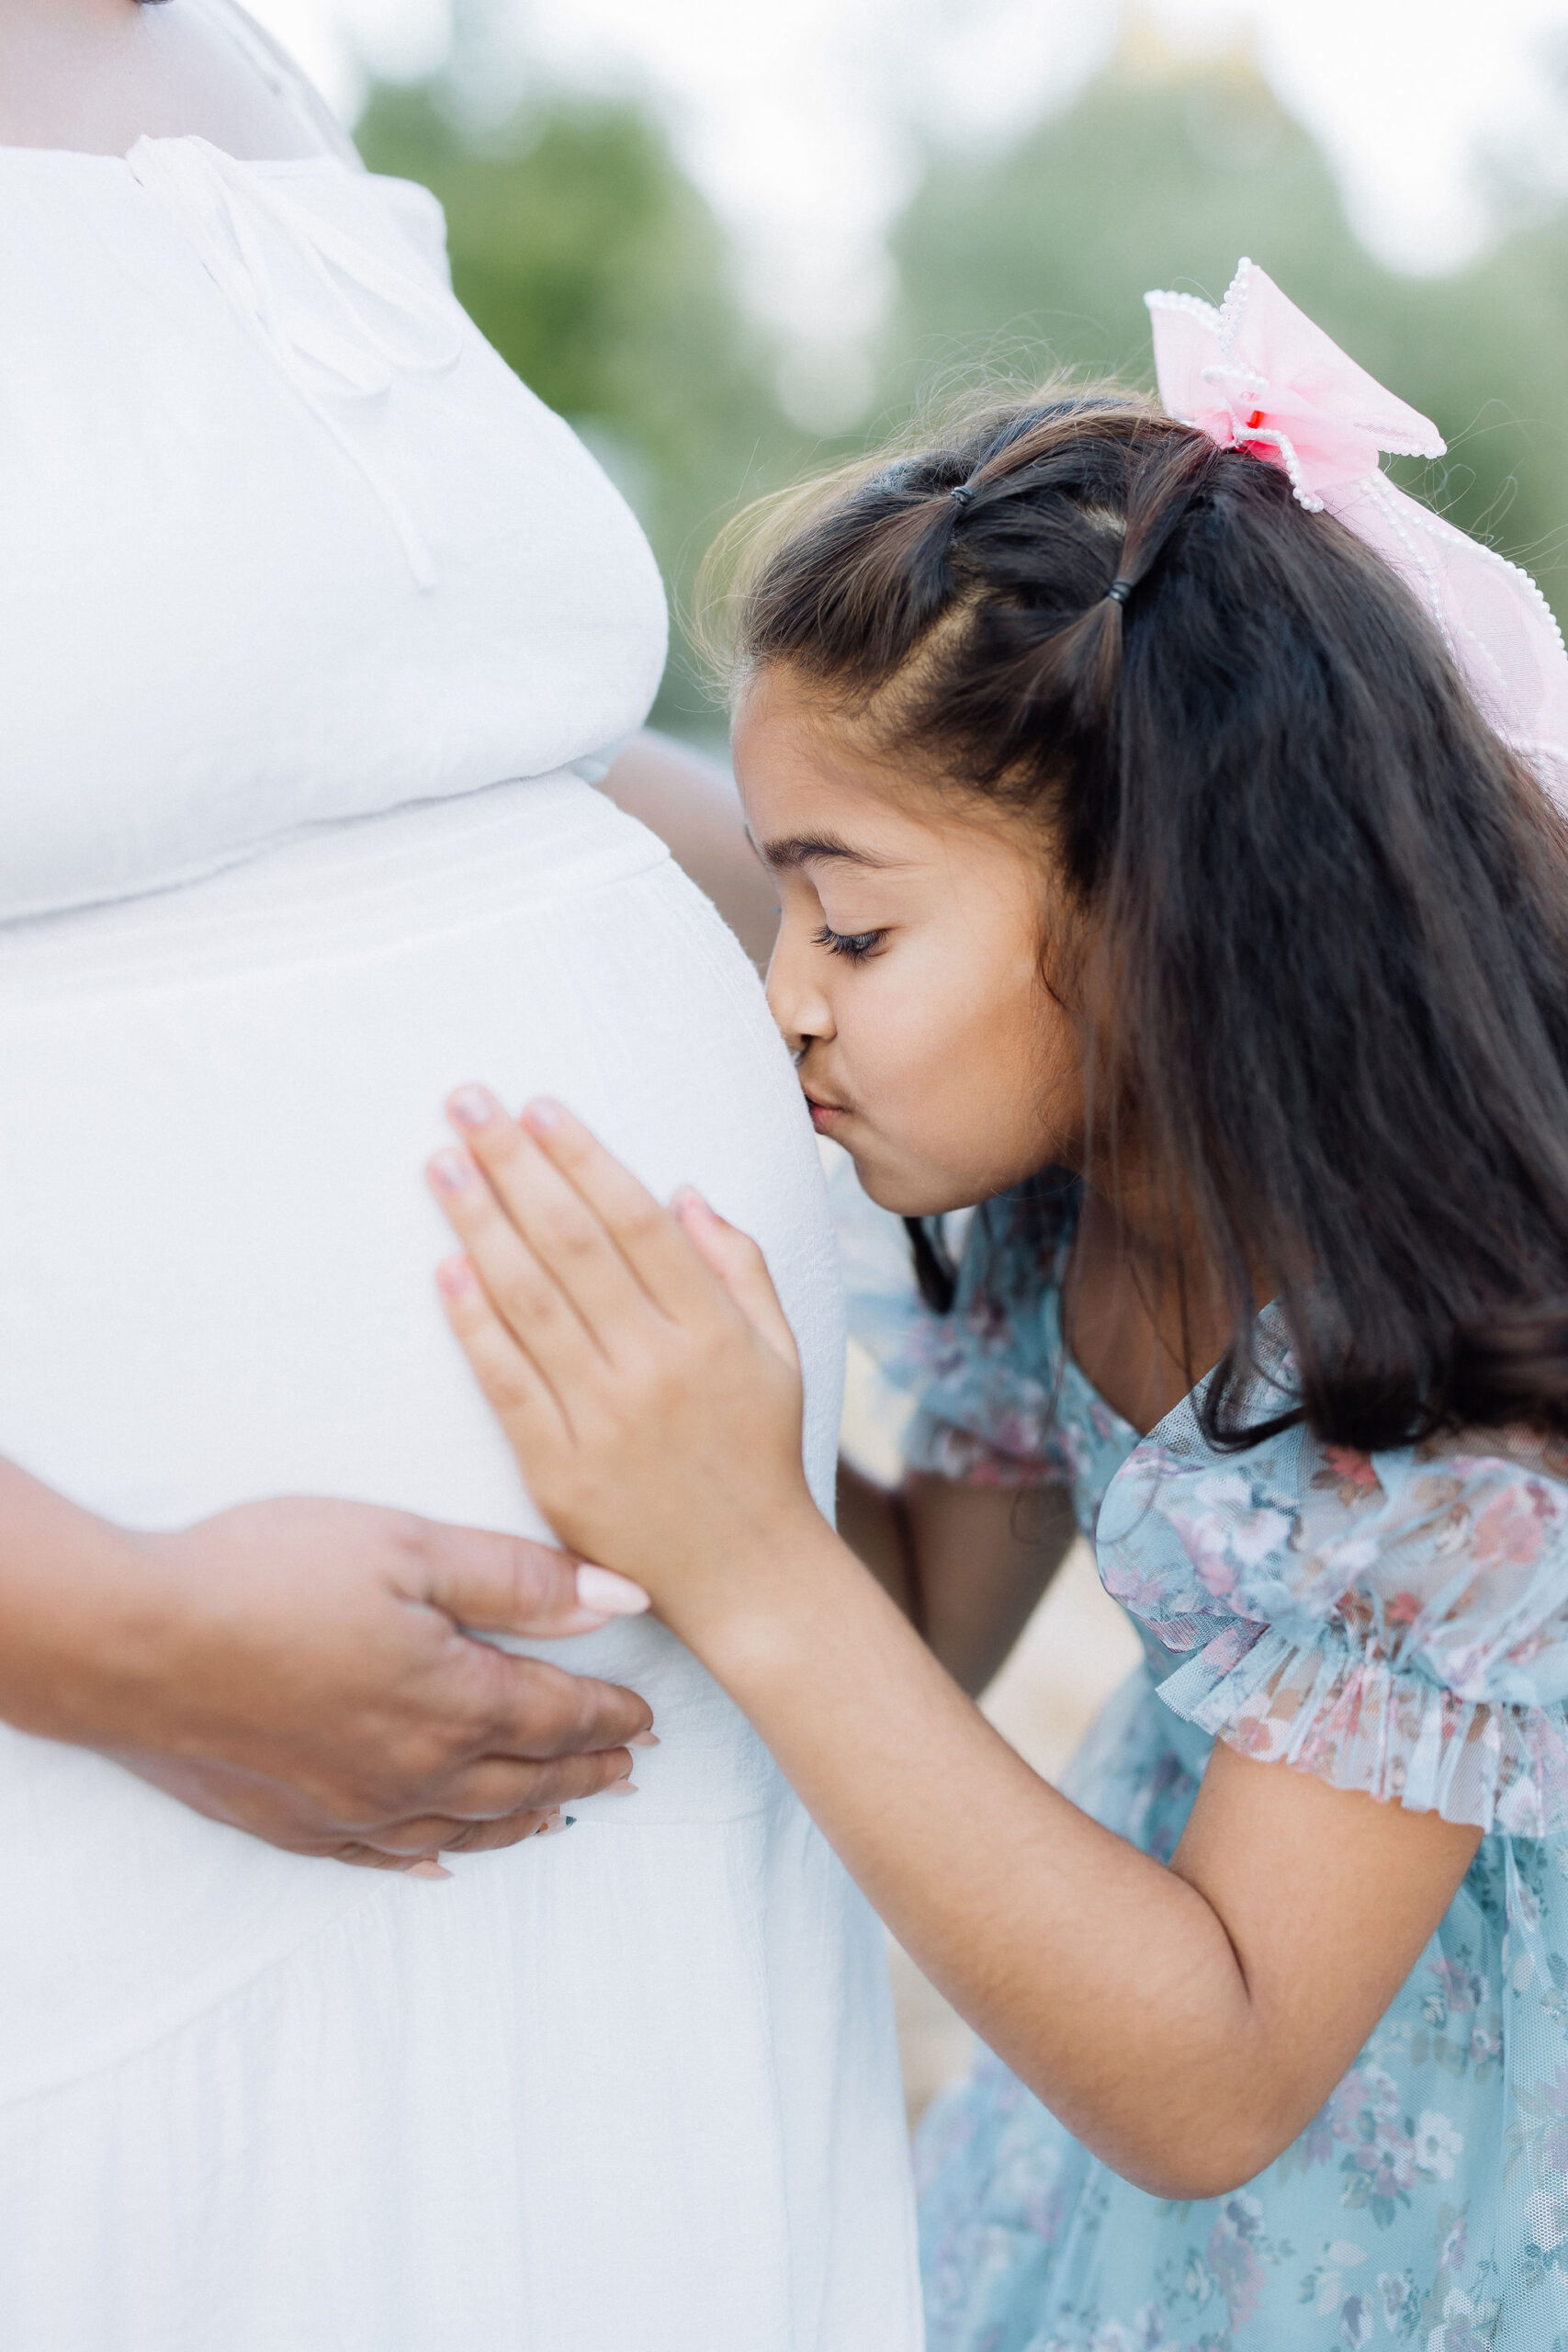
point(491, 1583)
point(533, 1710)
point(438, 1837)
point(497, 1787)
point(741, 1266)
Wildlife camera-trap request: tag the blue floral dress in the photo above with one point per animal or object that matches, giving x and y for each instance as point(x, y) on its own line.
point(1398, 1623)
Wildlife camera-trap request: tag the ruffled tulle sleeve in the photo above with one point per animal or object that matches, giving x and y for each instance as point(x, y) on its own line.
point(1396, 1622)
point(984, 1377)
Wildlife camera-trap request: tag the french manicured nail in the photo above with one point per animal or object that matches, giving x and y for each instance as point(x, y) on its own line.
point(543, 1114)
point(427, 1869)
point(454, 1278)
point(451, 1172)
point(471, 1106)
point(623, 1788)
point(643, 1740)
point(611, 1596)
point(551, 1828)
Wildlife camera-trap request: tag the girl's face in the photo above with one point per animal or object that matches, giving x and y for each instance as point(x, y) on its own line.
point(907, 978)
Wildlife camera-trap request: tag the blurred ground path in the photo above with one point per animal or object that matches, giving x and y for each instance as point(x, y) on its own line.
point(1075, 1650)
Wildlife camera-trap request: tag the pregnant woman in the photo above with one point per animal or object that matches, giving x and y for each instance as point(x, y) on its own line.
point(316, 625)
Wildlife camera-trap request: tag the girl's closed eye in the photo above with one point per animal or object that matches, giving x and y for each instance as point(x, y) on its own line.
point(855, 944)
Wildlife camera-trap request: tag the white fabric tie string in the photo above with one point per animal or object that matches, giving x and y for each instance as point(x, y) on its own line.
point(227, 210)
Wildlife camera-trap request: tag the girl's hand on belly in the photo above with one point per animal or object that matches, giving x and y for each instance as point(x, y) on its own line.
point(637, 1358)
point(1186, 2021)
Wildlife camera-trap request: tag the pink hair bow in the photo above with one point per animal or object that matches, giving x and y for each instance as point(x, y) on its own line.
point(1257, 374)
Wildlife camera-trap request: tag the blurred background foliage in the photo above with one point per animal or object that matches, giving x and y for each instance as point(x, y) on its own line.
point(591, 262)
point(599, 272)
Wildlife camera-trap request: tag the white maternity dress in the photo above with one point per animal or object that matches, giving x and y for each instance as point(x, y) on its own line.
point(308, 610)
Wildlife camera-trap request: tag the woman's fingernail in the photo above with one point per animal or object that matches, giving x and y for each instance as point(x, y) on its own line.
point(454, 1278)
point(543, 1114)
point(643, 1740)
point(689, 1202)
point(451, 1172)
point(625, 1787)
point(551, 1827)
point(427, 1869)
point(471, 1106)
point(610, 1595)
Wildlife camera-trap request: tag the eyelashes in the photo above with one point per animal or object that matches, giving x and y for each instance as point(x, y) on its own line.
point(855, 944)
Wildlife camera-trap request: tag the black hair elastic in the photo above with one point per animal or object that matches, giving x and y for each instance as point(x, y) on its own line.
point(961, 492)
point(1119, 590)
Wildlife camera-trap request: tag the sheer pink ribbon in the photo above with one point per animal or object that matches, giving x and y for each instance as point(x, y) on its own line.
point(1257, 374)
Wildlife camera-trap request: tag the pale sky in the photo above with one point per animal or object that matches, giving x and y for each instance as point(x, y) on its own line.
point(801, 121)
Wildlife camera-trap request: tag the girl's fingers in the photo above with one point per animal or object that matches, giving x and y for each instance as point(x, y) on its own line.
point(648, 1236)
point(741, 1266)
point(559, 1226)
point(513, 1385)
point(538, 1313)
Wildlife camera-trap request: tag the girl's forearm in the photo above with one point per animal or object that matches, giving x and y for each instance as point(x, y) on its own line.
point(1108, 1983)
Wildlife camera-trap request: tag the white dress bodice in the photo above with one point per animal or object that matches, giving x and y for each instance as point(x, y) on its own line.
point(389, 574)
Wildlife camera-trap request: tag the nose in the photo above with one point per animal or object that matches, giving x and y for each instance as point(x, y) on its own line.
point(796, 998)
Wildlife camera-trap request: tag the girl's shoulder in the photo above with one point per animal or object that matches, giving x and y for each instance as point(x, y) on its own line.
point(1396, 1620)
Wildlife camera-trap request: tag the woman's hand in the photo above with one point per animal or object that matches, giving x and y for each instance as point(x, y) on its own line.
point(637, 1358)
point(304, 1670)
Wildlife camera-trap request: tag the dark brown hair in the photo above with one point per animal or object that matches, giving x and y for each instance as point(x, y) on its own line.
point(1336, 905)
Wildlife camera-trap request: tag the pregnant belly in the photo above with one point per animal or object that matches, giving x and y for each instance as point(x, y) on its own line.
point(215, 1283)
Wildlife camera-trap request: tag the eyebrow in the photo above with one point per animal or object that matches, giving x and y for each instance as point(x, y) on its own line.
point(804, 849)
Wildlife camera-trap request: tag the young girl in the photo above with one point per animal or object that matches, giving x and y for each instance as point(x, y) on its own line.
point(1151, 876)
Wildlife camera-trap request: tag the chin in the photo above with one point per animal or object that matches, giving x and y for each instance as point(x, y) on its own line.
point(907, 1192)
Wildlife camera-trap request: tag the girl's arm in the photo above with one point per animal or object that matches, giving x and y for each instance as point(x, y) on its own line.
point(1187, 2022)
point(965, 1564)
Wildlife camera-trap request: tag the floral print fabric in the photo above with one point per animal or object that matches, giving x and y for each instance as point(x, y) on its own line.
point(1397, 1623)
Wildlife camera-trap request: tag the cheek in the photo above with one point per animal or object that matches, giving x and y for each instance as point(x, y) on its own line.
point(976, 1068)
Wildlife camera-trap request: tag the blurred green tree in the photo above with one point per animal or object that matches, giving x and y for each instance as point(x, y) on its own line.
point(1163, 173)
point(596, 269)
